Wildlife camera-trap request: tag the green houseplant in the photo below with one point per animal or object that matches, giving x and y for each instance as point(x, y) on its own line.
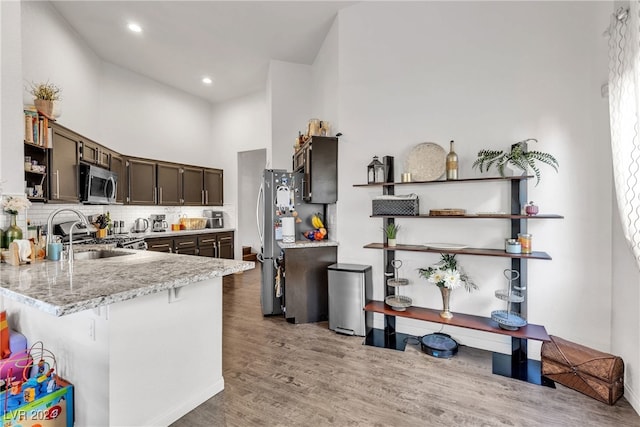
point(519, 157)
point(391, 231)
point(45, 94)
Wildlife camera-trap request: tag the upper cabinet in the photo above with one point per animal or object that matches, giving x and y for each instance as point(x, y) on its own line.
point(63, 165)
point(213, 187)
point(94, 153)
point(169, 184)
point(118, 166)
point(141, 176)
point(317, 159)
point(192, 186)
point(140, 181)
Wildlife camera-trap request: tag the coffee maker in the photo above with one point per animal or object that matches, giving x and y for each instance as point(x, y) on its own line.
point(158, 222)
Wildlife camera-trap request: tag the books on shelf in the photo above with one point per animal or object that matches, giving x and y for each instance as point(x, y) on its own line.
point(36, 128)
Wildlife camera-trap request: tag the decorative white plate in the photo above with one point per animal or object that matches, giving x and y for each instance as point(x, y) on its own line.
point(426, 162)
point(452, 246)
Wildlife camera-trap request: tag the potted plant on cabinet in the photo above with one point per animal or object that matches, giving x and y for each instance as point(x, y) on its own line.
point(45, 94)
point(518, 157)
point(391, 231)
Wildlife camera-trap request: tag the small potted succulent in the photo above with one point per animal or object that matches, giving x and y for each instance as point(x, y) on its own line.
point(519, 157)
point(45, 94)
point(391, 231)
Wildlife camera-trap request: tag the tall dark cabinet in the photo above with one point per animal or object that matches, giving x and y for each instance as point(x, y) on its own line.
point(318, 160)
point(63, 165)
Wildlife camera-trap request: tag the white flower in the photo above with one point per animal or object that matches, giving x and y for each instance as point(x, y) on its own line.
point(452, 279)
point(436, 277)
point(14, 204)
point(445, 274)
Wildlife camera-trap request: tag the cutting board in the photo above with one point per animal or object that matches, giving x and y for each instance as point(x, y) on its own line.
point(447, 212)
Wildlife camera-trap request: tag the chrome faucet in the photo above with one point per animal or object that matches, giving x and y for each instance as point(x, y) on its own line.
point(83, 220)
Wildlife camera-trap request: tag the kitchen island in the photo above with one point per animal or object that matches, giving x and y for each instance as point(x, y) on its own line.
point(139, 335)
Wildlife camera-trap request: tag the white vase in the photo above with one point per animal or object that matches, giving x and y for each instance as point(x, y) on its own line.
point(391, 242)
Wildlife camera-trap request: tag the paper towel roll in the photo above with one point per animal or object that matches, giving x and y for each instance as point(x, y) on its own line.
point(288, 229)
point(24, 249)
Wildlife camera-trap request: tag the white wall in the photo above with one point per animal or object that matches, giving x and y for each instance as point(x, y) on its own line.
point(486, 75)
point(52, 51)
point(325, 80)
point(239, 125)
point(141, 117)
point(290, 107)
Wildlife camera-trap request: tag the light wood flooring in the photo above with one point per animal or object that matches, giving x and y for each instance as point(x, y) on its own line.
point(280, 374)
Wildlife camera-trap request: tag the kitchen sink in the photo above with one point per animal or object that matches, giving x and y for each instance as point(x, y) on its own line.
point(98, 254)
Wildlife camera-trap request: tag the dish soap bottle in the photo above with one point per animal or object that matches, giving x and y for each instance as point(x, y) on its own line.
point(452, 163)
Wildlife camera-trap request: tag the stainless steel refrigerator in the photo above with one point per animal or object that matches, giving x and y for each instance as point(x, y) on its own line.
point(280, 196)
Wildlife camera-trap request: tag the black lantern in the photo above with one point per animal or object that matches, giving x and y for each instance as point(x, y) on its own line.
point(375, 171)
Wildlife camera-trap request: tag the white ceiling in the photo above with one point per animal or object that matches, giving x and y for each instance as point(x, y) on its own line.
point(182, 41)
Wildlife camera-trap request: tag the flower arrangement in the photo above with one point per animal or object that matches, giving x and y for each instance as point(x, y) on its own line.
point(445, 274)
point(47, 91)
point(14, 204)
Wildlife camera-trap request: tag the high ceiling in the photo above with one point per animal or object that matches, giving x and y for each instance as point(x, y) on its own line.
point(183, 41)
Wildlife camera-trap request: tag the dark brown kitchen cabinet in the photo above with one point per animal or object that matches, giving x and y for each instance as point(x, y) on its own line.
point(216, 245)
point(63, 165)
point(141, 177)
point(161, 244)
point(186, 245)
point(213, 187)
point(94, 153)
point(192, 186)
point(317, 159)
point(118, 166)
point(169, 184)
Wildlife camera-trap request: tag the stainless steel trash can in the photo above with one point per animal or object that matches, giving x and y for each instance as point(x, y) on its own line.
point(350, 285)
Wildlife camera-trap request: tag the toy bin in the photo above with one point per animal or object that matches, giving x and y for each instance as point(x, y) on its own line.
point(52, 404)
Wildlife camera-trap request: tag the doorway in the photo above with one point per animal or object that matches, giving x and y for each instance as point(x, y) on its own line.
point(250, 167)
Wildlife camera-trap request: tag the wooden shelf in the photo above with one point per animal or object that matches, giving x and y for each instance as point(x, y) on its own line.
point(467, 180)
point(35, 173)
point(479, 323)
point(30, 144)
point(467, 251)
point(471, 216)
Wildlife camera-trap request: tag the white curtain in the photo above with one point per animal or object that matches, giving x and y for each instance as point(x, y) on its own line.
point(624, 110)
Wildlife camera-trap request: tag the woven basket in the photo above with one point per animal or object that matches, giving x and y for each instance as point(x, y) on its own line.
point(193, 223)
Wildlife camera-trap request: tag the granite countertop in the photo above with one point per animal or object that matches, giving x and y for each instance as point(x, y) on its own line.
point(307, 244)
point(60, 288)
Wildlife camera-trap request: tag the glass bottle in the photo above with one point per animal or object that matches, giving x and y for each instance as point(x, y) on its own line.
point(13, 232)
point(452, 163)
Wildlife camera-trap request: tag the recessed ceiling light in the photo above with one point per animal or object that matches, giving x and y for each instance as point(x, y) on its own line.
point(207, 80)
point(134, 27)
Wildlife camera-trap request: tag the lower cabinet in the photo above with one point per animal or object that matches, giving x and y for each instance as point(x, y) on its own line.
point(215, 245)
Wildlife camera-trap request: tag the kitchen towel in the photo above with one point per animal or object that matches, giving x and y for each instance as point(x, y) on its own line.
point(288, 229)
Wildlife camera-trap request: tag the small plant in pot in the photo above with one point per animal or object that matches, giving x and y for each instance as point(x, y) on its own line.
point(518, 157)
point(391, 231)
point(45, 94)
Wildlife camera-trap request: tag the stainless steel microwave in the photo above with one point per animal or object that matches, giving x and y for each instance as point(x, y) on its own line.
point(97, 185)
